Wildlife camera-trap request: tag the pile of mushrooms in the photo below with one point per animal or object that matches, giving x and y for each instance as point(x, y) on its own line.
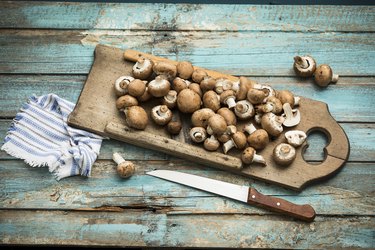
point(215, 106)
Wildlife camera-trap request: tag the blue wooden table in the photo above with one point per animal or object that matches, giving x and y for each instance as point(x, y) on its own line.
point(48, 48)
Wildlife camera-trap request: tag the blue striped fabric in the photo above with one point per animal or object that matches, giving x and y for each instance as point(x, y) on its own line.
point(40, 135)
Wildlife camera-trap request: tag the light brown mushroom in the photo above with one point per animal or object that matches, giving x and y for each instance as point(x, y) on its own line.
point(188, 101)
point(284, 154)
point(174, 127)
point(242, 86)
point(211, 143)
point(277, 106)
point(137, 87)
point(161, 114)
point(124, 168)
point(211, 100)
point(145, 97)
point(196, 88)
point(304, 66)
point(228, 115)
point(208, 83)
point(125, 101)
point(159, 87)
point(249, 156)
point(164, 68)
point(256, 96)
point(121, 85)
point(198, 134)
point(180, 84)
point(228, 98)
point(223, 84)
point(257, 138)
point(216, 125)
point(231, 129)
point(136, 117)
point(238, 140)
point(142, 69)
point(170, 99)
point(285, 96)
point(272, 124)
point(198, 75)
point(324, 75)
point(200, 117)
point(244, 109)
point(184, 69)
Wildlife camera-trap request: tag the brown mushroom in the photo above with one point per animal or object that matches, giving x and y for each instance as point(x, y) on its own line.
point(228, 115)
point(196, 88)
point(208, 83)
point(285, 96)
point(142, 69)
point(272, 124)
point(200, 117)
point(121, 85)
point(211, 100)
point(284, 154)
point(174, 127)
point(170, 99)
point(124, 168)
point(257, 96)
point(126, 101)
point(136, 117)
point(161, 114)
point(211, 143)
point(231, 129)
point(244, 109)
point(198, 75)
point(223, 84)
point(164, 68)
point(188, 101)
point(198, 134)
point(137, 87)
point(216, 125)
point(228, 98)
point(184, 69)
point(324, 75)
point(249, 156)
point(304, 66)
point(159, 87)
point(145, 96)
point(242, 87)
point(258, 138)
point(180, 84)
point(238, 140)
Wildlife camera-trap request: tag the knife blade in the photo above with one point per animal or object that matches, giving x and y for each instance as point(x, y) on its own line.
point(245, 194)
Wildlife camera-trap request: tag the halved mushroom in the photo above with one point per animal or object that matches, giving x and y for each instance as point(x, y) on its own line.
point(200, 117)
point(185, 69)
point(211, 100)
point(211, 143)
point(272, 123)
point(180, 84)
point(164, 68)
point(198, 75)
point(159, 87)
point(295, 137)
point(121, 85)
point(284, 154)
point(161, 114)
point(142, 69)
point(136, 117)
point(244, 109)
point(249, 156)
point(136, 87)
point(304, 66)
point(188, 101)
point(324, 75)
point(126, 101)
point(228, 115)
point(258, 138)
point(238, 140)
point(170, 99)
point(198, 134)
point(228, 97)
point(292, 117)
point(216, 125)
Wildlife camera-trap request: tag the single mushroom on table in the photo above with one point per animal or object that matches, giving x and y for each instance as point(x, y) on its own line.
point(184, 69)
point(324, 75)
point(249, 156)
point(137, 87)
point(136, 117)
point(257, 138)
point(200, 117)
point(142, 69)
point(304, 66)
point(284, 154)
point(295, 137)
point(211, 100)
point(244, 109)
point(188, 101)
point(161, 114)
point(272, 123)
point(166, 69)
point(198, 134)
point(292, 117)
point(237, 140)
point(211, 143)
point(124, 168)
point(126, 101)
point(159, 87)
point(121, 85)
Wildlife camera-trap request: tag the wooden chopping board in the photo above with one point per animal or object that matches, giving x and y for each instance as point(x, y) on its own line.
point(95, 111)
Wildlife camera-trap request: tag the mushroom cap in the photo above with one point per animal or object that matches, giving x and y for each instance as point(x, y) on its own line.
point(258, 139)
point(126, 101)
point(272, 124)
point(185, 69)
point(228, 115)
point(125, 169)
point(226, 95)
point(256, 96)
point(145, 96)
point(196, 88)
point(164, 68)
point(239, 139)
point(211, 144)
point(247, 155)
point(244, 109)
point(198, 134)
point(301, 71)
point(136, 87)
point(200, 117)
point(180, 84)
point(188, 101)
point(245, 85)
point(161, 114)
point(211, 100)
point(208, 83)
point(136, 117)
point(323, 75)
point(276, 103)
point(170, 99)
point(142, 69)
point(121, 85)
point(198, 75)
point(159, 87)
point(285, 96)
point(174, 127)
point(284, 154)
point(218, 124)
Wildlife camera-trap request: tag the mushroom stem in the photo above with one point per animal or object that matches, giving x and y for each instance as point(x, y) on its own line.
point(296, 100)
point(335, 78)
point(118, 158)
point(231, 102)
point(249, 128)
point(259, 159)
point(227, 146)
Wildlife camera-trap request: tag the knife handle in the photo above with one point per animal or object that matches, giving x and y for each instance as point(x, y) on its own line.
point(303, 212)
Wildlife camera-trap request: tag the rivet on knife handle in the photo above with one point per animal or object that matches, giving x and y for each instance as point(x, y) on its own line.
point(303, 212)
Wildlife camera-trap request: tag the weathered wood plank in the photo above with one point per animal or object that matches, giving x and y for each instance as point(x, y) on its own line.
point(154, 229)
point(187, 17)
point(246, 53)
point(351, 95)
point(34, 188)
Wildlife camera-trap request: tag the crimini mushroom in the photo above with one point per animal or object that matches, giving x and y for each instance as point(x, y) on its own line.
point(174, 127)
point(277, 106)
point(164, 68)
point(264, 108)
point(124, 168)
point(208, 83)
point(231, 129)
point(324, 75)
point(292, 117)
point(285, 96)
point(142, 69)
point(145, 97)
point(180, 84)
point(284, 154)
point(295, 137)
point(198, 134)
point(242, 86)
point(136, 117)
point(228, 97)
point(159, 87)
point(125, 101)
point(170, 99)
point(211, 100)
point(258, 138)
point(211, 143)
point(196, 88)
point(244, 109)
point(304, 66)
point(257, 96)
point(200, 117)
point(272, 123)
point(249, 156)
point(216, 125)
point(188, 101)
point(184, 69)
point(161, 114)
point(228, 115)
point(121, 85)
point(137, 87)
point(269, 91)
point(223, 84)
point(238, 140)
point(198, 75)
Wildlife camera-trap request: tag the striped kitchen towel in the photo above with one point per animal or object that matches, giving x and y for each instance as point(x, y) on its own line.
point(40, 135)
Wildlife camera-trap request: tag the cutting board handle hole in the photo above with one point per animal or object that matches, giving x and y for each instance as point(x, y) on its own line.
point(314, 152)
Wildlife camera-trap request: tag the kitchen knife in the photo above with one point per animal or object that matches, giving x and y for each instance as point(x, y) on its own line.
point(241, 193)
